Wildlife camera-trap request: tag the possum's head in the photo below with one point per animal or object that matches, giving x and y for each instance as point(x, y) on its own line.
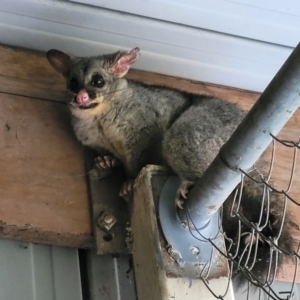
point(92, 80)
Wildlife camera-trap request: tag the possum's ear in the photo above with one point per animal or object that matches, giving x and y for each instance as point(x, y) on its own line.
point(123, 62)
point(60, 61)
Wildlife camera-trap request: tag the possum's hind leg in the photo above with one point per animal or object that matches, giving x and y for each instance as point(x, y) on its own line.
point(127, 189)
point(189, 146)
point(181, 194)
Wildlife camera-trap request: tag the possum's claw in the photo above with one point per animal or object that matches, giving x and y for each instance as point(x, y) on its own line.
point(182, 192)
point(127, 189)
point(106, 162)
point(104, 165)
point(179, 203)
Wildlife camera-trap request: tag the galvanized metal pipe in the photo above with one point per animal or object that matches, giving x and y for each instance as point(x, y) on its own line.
point(269, 114)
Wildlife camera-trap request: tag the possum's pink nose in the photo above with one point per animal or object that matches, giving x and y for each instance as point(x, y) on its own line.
point(82, 97)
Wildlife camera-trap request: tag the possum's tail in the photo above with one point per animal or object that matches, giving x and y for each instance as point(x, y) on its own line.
point(253, 252)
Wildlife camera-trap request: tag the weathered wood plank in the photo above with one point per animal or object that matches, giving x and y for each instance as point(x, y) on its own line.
point(158, 276)
point(28, 73)
point(105, 199)
point(43, 192)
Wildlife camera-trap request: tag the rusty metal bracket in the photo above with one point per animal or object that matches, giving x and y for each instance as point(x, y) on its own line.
point(187, 249)
point(110, 217)
point(106, 220)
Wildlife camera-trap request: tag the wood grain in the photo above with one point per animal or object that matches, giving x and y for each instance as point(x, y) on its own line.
point(157, 275)
point(42, 174)
point(28, 73)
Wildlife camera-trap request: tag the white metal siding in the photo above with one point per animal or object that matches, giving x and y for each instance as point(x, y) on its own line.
point(41, 272)
point(167, 47)
point(38, 272)
point(110, 278)
point(273, 21)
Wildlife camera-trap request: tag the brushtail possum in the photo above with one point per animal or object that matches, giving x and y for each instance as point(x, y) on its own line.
point(132, 124)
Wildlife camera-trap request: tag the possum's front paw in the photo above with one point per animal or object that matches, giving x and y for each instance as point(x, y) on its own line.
point(127, 189)
point(104, 166)
point(182, 192)
point(106, 162)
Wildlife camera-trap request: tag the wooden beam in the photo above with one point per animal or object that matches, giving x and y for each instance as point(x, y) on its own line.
point(157, 275)
point(43, 191)
point(28, 73)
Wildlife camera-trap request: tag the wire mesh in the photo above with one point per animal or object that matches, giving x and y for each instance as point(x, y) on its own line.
point(243, 251)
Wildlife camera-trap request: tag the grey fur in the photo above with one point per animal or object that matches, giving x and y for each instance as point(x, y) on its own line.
point(141, 124)
point(155, 125)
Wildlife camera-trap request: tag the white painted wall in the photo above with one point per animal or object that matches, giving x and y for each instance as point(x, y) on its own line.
point(278, 287)
point(225, 42)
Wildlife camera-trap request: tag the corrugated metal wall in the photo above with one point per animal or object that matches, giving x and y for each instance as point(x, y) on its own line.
point(41, 272)
point(110, 278)
point(38, 272)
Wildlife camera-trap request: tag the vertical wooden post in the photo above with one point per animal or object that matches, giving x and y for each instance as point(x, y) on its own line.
point(157, 274)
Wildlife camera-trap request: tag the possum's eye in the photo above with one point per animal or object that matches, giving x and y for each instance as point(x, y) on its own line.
point(98, 81)
point(73, 84)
